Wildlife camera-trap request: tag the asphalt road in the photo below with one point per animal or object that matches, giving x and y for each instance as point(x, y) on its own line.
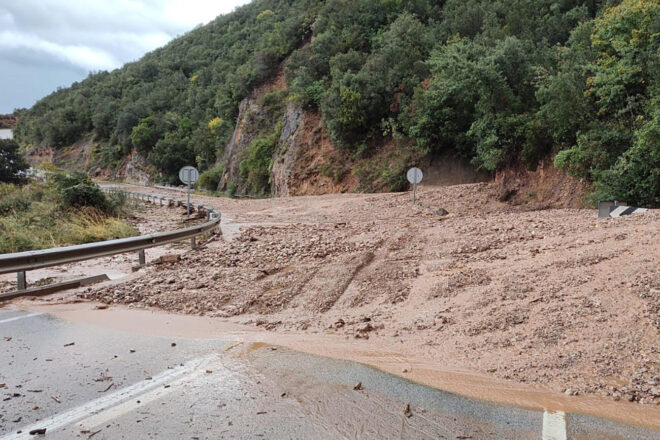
point(79, 381)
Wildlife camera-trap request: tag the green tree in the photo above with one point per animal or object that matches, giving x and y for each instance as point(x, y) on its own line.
point(635, 177)
point(145, 135)
point(12, 162)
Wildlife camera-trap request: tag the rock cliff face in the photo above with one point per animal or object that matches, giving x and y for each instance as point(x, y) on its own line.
point(134, 169)
point(306, 160)
point(288, 152)
point(237, 148)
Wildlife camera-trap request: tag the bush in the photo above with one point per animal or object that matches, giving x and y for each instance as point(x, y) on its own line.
point(211, 178)
point(77, 191)
point(12, 162)
point(33, 217)
point(12, 200)
point(636, 176)
point(256, 167)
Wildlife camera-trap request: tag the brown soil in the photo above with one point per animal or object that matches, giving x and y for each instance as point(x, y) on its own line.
point(547, 186)
point(319, 153)
point(555, 298)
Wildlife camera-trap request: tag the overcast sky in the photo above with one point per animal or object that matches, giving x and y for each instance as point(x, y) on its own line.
point(45, 44)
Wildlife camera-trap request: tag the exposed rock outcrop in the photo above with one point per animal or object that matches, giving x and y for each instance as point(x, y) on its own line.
point(236, 150)
point(288, 153)
point(135, 169)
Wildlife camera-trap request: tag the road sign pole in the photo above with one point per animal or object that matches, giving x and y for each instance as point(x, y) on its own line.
point(189, 176)
point(414, 192)
point(188, 204)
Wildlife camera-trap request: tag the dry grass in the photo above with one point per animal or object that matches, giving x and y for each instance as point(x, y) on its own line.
point(40, 225)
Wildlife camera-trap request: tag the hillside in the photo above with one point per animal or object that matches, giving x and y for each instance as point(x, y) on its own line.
point(378, 85)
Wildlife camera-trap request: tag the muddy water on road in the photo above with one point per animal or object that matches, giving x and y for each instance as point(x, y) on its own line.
point(372, 353)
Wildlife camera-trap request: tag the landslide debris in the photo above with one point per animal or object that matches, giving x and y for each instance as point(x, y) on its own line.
point(554, 297)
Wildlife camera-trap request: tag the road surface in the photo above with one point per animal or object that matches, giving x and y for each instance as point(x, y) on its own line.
point(81, 381)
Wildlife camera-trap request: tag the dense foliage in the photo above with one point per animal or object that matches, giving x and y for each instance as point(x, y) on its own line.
point(12, 162)
point(177, 105)
point(497, 82)
point(78, 191)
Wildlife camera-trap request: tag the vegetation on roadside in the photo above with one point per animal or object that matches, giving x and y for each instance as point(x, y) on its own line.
point(63, 211)
point(498, 82)
point(12, 163)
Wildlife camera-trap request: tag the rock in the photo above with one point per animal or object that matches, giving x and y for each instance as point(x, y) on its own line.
point(357, 386)
point(38, 431)
point(407, 412)
point(442, 212)
point(365, 328)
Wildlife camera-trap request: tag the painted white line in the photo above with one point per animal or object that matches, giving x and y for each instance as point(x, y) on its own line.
point(151, 396)
point(106, 402)
point(16, 318)
point(554, 426)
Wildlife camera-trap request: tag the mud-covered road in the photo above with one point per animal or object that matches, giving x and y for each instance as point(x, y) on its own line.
point(551, 301)
point(550, 297)
point(76, 380)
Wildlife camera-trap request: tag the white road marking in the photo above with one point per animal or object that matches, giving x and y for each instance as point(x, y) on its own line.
point(132, 405)
point(554, 426)
point(108, 402)
point(16, 318)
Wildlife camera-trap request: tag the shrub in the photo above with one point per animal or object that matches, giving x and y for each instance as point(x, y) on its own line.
point(211, 178)
point(12, 162)
point(12, 200)
point(256, 167)
point(635, 177)
point(78, 191)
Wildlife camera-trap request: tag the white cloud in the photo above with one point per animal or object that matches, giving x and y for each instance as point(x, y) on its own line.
point(79, 55)
point(193, 12)
point(90, 35)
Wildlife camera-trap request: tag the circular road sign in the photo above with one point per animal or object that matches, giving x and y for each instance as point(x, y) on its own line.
point(189, 175)
point(414, 175)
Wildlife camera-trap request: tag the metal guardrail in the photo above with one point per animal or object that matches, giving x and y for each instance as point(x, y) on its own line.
point(21, 262)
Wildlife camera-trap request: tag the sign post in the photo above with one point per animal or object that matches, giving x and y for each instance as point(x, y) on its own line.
point(188, 175)
point(414, 176)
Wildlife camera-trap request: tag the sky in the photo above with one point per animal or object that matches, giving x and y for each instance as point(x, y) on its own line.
point(46, 44)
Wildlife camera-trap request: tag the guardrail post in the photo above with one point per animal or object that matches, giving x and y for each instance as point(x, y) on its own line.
point(141, 258)
point(21, 281)
point(193, 242)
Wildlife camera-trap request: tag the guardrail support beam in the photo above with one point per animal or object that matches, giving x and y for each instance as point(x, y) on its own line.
point(141, 258)
point(193, 242)
point(21, 281)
